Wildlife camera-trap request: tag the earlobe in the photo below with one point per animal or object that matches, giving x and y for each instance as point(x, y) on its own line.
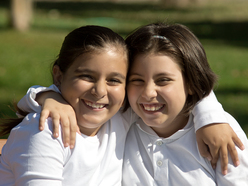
point(57, 76)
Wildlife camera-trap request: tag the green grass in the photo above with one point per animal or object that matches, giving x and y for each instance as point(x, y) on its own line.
point(25, 58)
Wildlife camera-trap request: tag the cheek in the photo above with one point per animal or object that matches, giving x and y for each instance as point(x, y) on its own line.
point(118, 93)
point(71, 89)
point(132, 93)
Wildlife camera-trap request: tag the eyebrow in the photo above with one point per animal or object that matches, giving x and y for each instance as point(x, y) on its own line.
point(164, 74)
point(91, 72)
point(79, 70)
point(157, 75)
point(118, 75)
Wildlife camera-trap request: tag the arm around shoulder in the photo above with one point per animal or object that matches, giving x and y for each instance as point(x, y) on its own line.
point(33, 156)
point(208, 111)
point(28, 102)
point(235, 176)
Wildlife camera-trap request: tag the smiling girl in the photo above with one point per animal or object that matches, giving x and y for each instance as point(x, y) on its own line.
point(90, 74)
point(169, 73)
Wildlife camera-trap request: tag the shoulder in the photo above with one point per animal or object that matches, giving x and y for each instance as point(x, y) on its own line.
point(30, 126)
point(28, 135)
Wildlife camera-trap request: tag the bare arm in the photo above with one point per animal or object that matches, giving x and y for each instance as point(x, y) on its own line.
point(216, 141)
point(54, 106)
point(215, 137)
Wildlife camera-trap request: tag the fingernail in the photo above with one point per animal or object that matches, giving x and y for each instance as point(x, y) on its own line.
point(243, 147)
point(237, 163)
point(71, 146)
point(225, 172)
point(66, 144)
point(214, 166)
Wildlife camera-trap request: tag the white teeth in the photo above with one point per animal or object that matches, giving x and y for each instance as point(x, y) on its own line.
point(152, 107)
point(94, 105)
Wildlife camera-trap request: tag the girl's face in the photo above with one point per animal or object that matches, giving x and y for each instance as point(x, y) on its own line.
point(94, 86)
point(157, 93)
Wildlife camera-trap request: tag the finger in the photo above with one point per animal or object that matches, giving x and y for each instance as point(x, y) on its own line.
point(73, 131)
point(56, 121)
point(78, 131)
point(238, 142)
point(204, 150)
point(65, 132)
point(224, 160)
point(214, 154)
point(43, 116)
point(234, 154)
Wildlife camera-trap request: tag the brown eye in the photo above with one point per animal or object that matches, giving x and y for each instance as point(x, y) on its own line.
point(86, 77)
point(163, 81)
point(115, 81)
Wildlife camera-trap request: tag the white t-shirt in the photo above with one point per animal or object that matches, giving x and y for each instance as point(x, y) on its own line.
point(150, 160)
point(36, 158)
point(32, 157)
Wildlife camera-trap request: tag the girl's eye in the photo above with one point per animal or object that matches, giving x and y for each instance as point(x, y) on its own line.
point(114, 81)
point(86, 77)
point(163, 81)
point(136, 81)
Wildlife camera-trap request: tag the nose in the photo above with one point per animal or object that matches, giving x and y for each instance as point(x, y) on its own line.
point(149, 91)
point(99, 89)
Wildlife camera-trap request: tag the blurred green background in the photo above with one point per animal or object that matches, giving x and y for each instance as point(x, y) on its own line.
point(221, 26)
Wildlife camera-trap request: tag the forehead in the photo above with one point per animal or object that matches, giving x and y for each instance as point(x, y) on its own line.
point(102, 61)
point(154, 62)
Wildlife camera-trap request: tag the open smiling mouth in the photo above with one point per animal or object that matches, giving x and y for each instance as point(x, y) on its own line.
point(152, 107)
point(94, 105)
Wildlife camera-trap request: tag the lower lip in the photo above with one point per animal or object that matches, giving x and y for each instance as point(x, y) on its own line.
point(95, 109)
point(152, 112)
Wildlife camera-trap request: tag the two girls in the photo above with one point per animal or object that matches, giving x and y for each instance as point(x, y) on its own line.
point(90, 74)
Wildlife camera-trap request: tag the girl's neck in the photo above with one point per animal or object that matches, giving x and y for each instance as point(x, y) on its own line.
point(179, 123)
point(89, 131)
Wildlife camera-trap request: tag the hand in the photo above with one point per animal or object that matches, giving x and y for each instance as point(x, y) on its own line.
point(61, 112)
point(216, 140)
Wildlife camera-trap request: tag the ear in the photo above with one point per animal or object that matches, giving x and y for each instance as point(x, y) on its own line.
point(57, 76)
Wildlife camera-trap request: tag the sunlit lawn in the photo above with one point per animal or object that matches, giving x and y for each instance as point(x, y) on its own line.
point(25, 58)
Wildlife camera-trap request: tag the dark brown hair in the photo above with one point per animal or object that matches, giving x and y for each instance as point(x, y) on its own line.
point(179, 43)
point(86, 39)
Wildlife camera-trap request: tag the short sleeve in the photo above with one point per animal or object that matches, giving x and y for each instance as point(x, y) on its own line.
point(28, 103)
point(208, 111)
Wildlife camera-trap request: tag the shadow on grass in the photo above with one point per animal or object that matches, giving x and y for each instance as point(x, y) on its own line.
point(230, 100)
point(233, 33)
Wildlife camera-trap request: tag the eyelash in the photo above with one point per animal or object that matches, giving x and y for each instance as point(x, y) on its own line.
point(115, 81)
point(163, 80)
point(85, 76)
point(133, 80)
point(90, 78)
point(159, 82)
